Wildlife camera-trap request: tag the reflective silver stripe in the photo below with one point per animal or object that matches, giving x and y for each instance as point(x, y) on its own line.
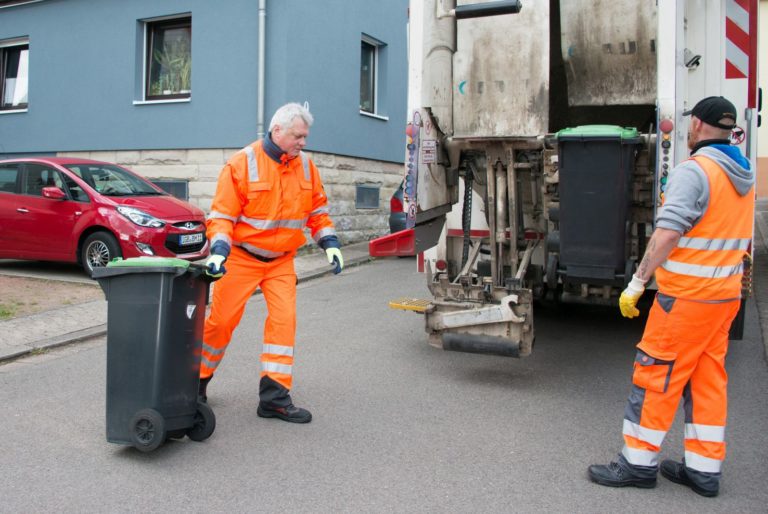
point(215, 215)
point(702, 463)
point(259, 251)
point(640, 457)
point(701, 243)
point(322, 233)
point(273, 224)
point(305, 163)
point(649, 435)
point(698, 270)
point(209, 364)
point(274, 367)
point(211, 350)
point(221, 237)
point(712, 433)
point(278, 349)
point(321, 210)
point(253, 168)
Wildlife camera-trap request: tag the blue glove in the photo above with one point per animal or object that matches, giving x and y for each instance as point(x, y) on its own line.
point(214, 266)
point(335, 258)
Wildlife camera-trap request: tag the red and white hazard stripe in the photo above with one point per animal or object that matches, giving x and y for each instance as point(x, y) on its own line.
point(741, 43)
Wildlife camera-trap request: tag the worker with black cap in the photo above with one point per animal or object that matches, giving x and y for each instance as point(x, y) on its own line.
point(702, 236)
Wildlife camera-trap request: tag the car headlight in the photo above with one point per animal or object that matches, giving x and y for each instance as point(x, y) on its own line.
point(141, 218)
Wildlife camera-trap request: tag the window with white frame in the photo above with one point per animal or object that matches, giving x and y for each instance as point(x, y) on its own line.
point(168, 59)
point(14, 74)
point(370, 74)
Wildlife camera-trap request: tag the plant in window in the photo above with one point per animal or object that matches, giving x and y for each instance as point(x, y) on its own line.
point(175, 62)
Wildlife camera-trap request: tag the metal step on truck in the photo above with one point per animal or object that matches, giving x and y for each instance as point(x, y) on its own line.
point(540, 139)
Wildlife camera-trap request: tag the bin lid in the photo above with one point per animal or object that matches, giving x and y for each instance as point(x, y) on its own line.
point(626, 134)
point(148, 262)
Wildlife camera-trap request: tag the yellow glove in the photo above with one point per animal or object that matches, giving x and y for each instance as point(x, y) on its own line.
point(630, 296)
point(335, 259)
point(214, 266)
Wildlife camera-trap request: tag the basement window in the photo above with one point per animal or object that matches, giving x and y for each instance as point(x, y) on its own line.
point(367, 197)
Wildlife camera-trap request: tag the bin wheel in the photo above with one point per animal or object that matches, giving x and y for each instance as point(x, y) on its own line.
point(147, 430)
point(204, 423)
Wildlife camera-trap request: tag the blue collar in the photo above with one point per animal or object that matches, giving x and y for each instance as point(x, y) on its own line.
point(273, 151)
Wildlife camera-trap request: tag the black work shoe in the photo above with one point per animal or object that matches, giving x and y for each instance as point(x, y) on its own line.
point(290, 413)
point(201, 392)
point(615, 475)
point(675, 471)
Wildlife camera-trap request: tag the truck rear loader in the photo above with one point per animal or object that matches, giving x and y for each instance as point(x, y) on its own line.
point(540, 139)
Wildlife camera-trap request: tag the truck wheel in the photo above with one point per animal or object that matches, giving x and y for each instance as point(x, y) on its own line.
point(204, 423)
point(147, 430)
point(98, 249)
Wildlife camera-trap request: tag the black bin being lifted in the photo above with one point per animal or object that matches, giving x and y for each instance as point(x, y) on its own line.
point(596, 164)
point(156, 310)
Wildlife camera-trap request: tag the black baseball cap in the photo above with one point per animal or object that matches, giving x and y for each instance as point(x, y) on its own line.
point(713, 109)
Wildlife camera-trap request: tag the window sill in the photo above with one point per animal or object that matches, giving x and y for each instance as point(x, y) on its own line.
point(13, 111)
point(376, 116)
point(172, 101)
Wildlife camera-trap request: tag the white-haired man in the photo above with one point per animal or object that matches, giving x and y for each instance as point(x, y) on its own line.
point(266, 194)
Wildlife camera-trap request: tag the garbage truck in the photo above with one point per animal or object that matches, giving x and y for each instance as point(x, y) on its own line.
point(540, 137)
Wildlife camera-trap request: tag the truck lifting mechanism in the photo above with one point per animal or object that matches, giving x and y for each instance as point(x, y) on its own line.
point(540, 139)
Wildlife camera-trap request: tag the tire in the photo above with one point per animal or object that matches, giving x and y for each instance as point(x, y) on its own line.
point(147, 430)
point(204, 424)
point(98, 249)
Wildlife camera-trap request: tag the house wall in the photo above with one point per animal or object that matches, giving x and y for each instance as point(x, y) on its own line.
point(86, 75)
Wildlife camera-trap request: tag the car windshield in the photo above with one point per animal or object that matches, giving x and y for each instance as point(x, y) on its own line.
point(111, 180)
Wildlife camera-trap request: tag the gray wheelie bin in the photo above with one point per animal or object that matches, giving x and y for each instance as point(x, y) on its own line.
point(156, 310)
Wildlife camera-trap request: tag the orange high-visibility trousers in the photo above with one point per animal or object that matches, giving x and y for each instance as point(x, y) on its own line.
point(244, 274)
point(682, 354)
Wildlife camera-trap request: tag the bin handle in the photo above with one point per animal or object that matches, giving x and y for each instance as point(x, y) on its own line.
point(198, 271)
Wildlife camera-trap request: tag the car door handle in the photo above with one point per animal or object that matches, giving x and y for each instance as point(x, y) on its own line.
point(22, 210)
point(78, 213)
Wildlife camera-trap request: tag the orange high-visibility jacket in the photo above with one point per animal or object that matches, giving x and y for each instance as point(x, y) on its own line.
point(263, 206)
point(707, 263)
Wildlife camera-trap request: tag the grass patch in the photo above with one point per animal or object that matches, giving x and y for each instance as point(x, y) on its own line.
point(7, 311)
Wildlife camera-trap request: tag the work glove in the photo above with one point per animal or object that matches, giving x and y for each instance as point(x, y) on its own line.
point(335, 259)
point(214, 266)
point(630, 296)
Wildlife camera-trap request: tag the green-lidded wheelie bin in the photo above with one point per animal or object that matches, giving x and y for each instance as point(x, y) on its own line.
point(597, 163)
point(155, 315)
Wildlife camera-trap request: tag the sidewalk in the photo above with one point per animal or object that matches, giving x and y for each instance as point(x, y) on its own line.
point(38, 332)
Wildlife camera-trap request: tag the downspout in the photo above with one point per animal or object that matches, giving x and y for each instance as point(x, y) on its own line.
point(262, 63)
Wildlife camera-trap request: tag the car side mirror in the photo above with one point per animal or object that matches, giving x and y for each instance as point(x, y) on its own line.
point(54, 193)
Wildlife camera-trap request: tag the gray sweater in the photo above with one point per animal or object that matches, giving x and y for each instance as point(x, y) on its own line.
point(687, 195)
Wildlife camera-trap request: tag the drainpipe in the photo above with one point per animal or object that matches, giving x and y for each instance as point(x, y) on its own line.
point(262, 62)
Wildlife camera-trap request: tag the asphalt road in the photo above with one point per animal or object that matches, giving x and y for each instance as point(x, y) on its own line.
point(398, 426)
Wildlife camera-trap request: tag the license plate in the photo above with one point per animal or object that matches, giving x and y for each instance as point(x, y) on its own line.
point(190, 239)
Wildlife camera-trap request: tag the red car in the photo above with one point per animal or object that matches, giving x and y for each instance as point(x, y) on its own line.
point(89, 212)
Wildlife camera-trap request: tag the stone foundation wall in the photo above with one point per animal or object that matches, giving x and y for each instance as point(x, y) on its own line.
point(340, 175)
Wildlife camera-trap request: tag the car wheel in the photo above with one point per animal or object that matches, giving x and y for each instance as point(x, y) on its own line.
point(98, 249)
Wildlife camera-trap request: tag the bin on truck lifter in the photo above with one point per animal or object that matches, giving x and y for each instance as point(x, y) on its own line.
point(596, 166)
point(156, 310)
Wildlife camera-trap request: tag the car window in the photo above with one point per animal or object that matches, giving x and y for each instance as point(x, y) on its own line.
point(75, 190)
point(8, 174)
point(111, 180)
point(39, 176)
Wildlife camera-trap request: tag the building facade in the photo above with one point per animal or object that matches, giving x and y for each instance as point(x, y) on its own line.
point(171, 88)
